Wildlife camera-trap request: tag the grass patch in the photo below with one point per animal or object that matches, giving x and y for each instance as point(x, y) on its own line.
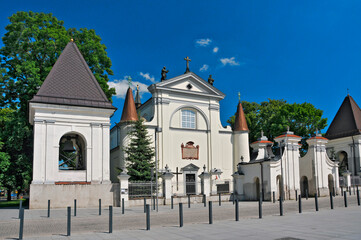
point(14, 203)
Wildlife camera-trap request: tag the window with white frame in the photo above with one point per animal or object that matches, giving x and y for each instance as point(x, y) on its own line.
point(188, 119)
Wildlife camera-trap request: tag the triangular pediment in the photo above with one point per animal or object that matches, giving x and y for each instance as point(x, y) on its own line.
point(190, 167)
point(347, 121)
point(189, 83)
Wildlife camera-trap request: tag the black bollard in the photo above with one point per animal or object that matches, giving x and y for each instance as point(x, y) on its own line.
point(358, 197)
point(204, 200)
point(233, 200)
point(331, 201)
point(68, 222)
point(21, 223)
point(210, 212)
point(349, 190)
point(171, 202)
point(180, 214)
point(296, 195)
point(299, 204)
point(145, 203)
point(281, 206)
point(153, 202)
point(74, 207)
point(189, 201)
point(274, 196)
point(48, 208)
point(237, 211)
point(316, 202)
point(219, 200)
point(123, 207)
point(147, 207)
point(110, 219)
point(20, 207)
point(260, 207)
point(345, 198)
point(100, 207)
point(306, 194)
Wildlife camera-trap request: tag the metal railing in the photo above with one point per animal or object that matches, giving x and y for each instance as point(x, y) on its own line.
point(142, 189)
point(355, 181)
point(191, 188)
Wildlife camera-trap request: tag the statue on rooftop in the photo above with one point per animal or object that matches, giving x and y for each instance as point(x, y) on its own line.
point(164, 74)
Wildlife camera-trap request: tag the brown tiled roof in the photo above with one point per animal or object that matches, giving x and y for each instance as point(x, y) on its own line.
point(240, 123)
point(318, 137)
point(70, 82)
point(129, 109)
point(347, 121)
point(288, 135)
point(262, 142)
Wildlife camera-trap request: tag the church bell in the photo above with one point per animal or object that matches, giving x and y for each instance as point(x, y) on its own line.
point(68, 145)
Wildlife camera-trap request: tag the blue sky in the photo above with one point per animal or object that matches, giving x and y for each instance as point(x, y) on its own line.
point(300, 51)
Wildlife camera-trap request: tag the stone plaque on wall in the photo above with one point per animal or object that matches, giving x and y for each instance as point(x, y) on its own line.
point(189, 151)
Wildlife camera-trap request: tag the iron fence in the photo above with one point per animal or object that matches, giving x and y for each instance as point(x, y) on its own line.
point(191, 188)
point(355, 181)
point(142, 189)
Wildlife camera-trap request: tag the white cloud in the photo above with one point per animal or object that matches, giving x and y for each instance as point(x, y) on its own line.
point(148, 77)
point(230, 61)
point(204, 68)
point(215, 50)
point(203, 42)
point(121, 87)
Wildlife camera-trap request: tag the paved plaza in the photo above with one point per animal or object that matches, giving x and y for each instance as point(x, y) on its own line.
point(340, 223)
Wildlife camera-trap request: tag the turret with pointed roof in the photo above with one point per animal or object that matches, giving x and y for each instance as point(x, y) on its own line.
point(71, 82)
point(129, 109)
point(347, 121)
point(240, 138)
point(240, 123)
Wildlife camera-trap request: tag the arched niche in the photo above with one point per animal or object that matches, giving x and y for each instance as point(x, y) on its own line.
point(201, 120)
point(72, 152)
point(342, 157)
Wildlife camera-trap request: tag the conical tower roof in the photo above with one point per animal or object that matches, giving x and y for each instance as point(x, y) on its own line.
point(129, 109)
point(240, 123)
point(71, 82)
point(347, 121)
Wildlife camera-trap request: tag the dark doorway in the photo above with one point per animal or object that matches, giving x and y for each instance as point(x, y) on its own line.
point(190, 184)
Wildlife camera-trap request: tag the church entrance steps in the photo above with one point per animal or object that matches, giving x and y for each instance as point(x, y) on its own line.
point(89, 222)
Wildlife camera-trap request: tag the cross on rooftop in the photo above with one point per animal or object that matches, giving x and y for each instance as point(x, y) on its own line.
point(188, 60)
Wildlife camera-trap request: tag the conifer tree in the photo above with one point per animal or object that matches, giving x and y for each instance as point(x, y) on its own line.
point(139, 152)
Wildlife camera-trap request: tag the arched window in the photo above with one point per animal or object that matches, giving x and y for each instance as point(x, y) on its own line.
point(72, 152)
point(188, 119)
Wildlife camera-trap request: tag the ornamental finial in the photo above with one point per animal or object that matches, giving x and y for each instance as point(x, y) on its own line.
point(239, 96)
point(129, 81)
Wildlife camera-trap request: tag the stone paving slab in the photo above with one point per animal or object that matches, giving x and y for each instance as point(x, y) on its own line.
point(88, 225)
point(342, 223)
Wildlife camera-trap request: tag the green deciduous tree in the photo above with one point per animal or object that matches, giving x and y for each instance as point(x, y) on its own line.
point(273, 117)
point(32, 44)
point(139, 152)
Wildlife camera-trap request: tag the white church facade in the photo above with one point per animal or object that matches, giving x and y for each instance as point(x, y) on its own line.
point(76, 153)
